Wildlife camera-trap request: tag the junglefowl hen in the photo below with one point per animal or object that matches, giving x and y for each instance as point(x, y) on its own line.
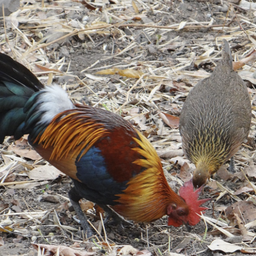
point(215, 119)
point(109, 161)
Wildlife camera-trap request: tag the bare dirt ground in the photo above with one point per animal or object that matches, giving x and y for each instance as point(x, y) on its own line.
point(150, 54)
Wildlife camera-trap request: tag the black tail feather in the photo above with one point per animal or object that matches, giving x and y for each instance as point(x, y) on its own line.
point(13, 71)
point(17, 85)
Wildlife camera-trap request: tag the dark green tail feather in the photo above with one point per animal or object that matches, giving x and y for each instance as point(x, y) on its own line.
point(18, 90)
point(13, 71)
point(17, 85)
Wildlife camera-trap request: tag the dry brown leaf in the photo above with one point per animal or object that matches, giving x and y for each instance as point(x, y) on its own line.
point(136, 18)
point(248, 250)
point(224, 174)
point(131, 73)
point(185, 174)
point(61, 250)
point(140, 120)
point(45, 172)
point(245, 210)
point(89, 6)
point(200, 74)
point(243, 190)
point(130, 250)
point(242, 228)
point(134, 111)
point(242, 62)
point(213, 184)
point(241, 225)
point(180, 160)
point(107, 244)
point(220, 245)
point(144, 253)
point(86, 205)
point(247, 75)
point(109, 71)
point(24, 184)
point(132, 16)
point(99, 210)
point(172, 121)
point(170, 153)
point(22, 148)
point(43, 68)
point(250, 171)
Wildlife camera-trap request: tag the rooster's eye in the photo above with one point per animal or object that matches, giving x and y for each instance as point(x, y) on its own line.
point(174, 206)
point(182, 211)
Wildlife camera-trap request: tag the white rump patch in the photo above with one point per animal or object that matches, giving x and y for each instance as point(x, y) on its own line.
point(52, 101)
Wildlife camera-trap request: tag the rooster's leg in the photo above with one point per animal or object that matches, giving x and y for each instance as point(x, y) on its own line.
point(118, 219)
point(74, 199)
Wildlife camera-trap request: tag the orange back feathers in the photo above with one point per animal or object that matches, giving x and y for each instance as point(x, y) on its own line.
point(71, 134)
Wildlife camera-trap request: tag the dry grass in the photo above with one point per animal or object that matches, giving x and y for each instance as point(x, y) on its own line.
point(133, 80)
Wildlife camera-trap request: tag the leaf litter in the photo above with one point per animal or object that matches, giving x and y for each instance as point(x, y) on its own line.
point(138, 59)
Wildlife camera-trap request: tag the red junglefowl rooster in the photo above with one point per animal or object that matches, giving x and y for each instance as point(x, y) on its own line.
point(109, 161)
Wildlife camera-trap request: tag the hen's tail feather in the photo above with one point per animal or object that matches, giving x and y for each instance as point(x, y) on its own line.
point(226, 54)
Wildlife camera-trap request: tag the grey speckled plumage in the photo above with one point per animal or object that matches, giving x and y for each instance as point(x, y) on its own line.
point(215, 119)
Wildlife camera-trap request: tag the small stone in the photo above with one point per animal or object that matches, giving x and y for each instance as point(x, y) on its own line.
point(85, 19)
point(33, 239)
point(224, 8)
point(152, 49)
point(50, 198)
point(64, 51)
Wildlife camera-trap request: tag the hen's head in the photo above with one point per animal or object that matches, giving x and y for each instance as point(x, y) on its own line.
point(200, 177)
point(186, 213)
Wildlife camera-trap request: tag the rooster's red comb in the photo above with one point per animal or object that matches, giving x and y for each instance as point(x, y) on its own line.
point(191, 198)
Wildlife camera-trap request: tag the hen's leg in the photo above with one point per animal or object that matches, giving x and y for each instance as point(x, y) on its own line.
point(232, 165)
